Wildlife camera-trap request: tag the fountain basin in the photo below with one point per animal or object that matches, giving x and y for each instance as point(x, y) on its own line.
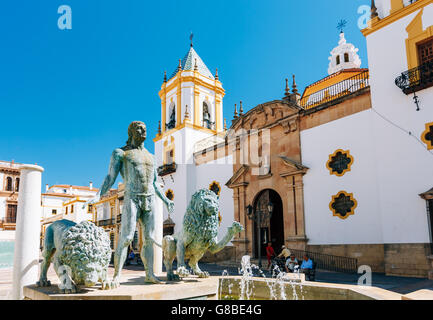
point(237, 288)
point(222, 288)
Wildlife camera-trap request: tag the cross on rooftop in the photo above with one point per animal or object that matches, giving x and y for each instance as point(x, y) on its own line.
point(341, 25)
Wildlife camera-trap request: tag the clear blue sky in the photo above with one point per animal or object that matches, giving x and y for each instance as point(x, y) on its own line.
point(68, 96)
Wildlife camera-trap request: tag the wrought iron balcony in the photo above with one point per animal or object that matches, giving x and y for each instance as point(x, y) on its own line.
point(12, 219)
point(336, 91)
point(416, 79)
point(167, 169)
point(107, 222)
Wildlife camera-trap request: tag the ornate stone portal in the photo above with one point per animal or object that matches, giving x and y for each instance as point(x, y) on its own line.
point(275, 128)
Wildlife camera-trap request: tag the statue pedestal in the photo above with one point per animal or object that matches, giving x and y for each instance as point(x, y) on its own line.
point(132, 287)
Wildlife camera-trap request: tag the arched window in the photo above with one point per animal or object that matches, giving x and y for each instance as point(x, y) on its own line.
point(172, 117)
point(346, 57)
point(17, 184)
point(207, 123)
point(338, 60)
point(8, 184)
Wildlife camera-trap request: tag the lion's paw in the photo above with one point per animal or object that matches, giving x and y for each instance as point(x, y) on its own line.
point(108, 285)
point(203, 274)
point(43, 283)
point(71, 290)
point(182, 272)
point(115, 283)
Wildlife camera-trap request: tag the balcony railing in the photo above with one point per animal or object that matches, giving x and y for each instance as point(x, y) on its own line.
point(336, 91)
point(106, 222)
point(10, 220)
point(167, 169)
point(329, 262)
point(416, 79)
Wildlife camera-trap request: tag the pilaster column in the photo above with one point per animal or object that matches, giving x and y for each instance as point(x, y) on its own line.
point(299, 197)
point(218, 120)
point(163, 109)
point(196, 106)
point(294, 230)
point(179, 100)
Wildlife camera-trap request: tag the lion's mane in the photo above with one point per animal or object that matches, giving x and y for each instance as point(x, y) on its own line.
point(85, 244)
point(201, 218)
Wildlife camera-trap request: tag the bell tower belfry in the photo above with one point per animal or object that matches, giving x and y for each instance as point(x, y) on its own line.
point(191, 107)
point(344, 56)
point(191, 96)
point(191, 111)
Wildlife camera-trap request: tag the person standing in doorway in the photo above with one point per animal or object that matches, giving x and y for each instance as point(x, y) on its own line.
point(270, 253)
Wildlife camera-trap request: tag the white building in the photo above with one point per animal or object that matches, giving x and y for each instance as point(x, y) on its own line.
point(67, 202)
point(9, 186)
point(400, 51)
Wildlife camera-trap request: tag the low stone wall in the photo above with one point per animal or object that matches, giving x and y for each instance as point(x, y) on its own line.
point(407, 259)
point(366, 254)
point(228, 253)
point(399, 259)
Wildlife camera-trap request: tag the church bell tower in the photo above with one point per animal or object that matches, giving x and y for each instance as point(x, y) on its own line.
point(191, 96)
point(191, 112)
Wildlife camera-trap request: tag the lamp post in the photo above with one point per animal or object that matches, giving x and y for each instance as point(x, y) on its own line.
point(258, 216)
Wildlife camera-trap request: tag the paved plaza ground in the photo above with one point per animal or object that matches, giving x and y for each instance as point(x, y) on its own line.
point(402, 285)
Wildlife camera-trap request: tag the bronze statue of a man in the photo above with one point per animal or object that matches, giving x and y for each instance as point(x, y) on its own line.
point(138, 170)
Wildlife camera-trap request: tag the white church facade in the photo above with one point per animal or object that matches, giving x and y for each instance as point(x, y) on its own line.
point(347, 164)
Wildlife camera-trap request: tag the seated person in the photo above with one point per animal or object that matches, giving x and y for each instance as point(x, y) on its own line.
point(284, 253)
point(307, 267)
point(291, 263)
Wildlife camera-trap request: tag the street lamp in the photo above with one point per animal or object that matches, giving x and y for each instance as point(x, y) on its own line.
point(258, 216)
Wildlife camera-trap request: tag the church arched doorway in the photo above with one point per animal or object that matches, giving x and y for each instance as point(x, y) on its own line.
point(271, 229)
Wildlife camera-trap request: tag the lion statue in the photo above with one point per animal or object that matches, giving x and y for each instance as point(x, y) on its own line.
point(199, 234)
point(81, 254)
